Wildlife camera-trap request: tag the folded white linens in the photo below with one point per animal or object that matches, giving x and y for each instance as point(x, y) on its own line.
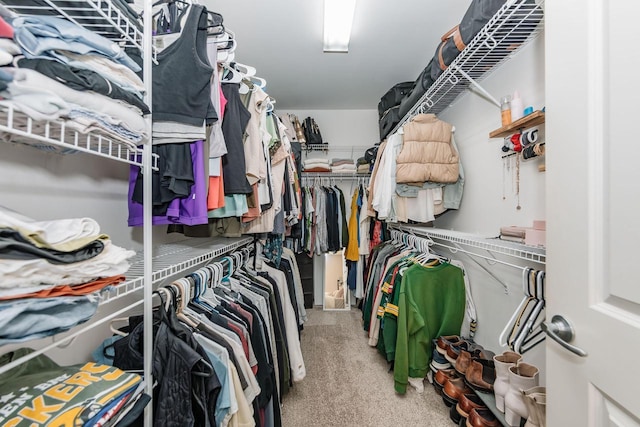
point(317, 166)
point(59, 234)
point(344, 168)
point(85, 121)
point(28, 81)
point(112, 261)
point(39, 106)
point(337, 162)
point(316, 161)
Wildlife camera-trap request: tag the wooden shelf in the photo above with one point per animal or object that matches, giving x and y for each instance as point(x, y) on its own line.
point(530, 120)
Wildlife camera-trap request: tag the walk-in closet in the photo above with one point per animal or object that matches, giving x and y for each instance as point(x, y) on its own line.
point(319, 213)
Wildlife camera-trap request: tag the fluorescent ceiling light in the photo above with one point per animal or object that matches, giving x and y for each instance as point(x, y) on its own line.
point(338, 18)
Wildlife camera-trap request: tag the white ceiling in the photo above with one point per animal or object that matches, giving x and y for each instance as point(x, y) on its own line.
point(391, 41)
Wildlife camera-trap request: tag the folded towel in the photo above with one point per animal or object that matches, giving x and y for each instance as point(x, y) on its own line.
point(316, 161)
point(340, 161)
point(344, 168)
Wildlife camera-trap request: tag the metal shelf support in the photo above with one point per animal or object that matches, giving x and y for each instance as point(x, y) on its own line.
point(477, 86)
point(513, 250)
point(512, 27)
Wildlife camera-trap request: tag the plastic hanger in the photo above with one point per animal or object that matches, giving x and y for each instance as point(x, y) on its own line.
point(502, 340)
point(214, 24)
point(231, 76)
point(527, 335)
point(115, 330)
point(247, 70)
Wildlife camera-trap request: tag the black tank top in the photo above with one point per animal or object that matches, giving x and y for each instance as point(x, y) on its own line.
point(182, 77)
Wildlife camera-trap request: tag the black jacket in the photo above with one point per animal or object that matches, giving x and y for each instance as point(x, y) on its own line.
point(179, 400)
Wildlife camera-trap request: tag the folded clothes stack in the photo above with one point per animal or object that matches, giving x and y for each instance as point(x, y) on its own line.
point(51, 274)
point(316, 165)
point(40, 392)
point(343, 166)
point(363, 168)
point(363, 165)
point(530, 236)
point(513, 234)
point(56, 70)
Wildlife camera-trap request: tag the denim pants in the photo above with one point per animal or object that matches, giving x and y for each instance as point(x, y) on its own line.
point(42, 36)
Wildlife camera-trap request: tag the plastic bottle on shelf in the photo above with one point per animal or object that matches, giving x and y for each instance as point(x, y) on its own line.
point(517, 109)
point(505, 108)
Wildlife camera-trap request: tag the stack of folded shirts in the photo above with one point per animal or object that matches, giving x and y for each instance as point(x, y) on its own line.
point(513, 234)
point(364, 168)
point(343, 165)
point(530, 236)
point(51, 274)
point(316, 165)
point(63, 71)
point(363, 165)
point(40, 392)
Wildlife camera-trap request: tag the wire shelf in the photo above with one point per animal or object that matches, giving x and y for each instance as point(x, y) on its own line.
point(514, 250)
point(170, 259)
point(315, 147)
point(56, 136)
point(310, 175)
point(99, 16)
point(512, 27)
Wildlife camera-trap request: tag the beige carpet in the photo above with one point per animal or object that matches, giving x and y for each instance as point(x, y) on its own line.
point(348, 383)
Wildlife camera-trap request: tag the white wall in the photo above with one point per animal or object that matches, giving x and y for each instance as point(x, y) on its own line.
point(487, 181)
point(348, 132)
point(44, 185)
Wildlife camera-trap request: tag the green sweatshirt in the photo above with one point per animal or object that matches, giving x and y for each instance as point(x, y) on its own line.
point(39, 392)
point(431, 304)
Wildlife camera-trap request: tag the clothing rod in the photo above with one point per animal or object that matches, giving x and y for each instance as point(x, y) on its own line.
point(428, 241)
point(459, 249)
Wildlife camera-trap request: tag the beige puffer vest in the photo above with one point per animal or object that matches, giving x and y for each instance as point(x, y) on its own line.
point(427, 153)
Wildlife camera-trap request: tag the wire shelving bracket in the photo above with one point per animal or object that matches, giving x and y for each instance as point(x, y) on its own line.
point(512, 27)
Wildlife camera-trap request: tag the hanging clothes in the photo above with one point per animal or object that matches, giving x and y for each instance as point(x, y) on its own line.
point(234, 123)
point(190, 210)
point(406, 287)
point(236, 337)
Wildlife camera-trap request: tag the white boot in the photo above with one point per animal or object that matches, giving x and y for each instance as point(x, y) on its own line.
point(540, 405)
point(529, 397)
point(501, 385)
point(521, 377)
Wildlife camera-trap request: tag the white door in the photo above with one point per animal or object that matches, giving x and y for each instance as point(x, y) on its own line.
point(593, 202)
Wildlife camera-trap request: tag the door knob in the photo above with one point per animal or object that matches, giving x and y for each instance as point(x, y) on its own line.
point(562, 332)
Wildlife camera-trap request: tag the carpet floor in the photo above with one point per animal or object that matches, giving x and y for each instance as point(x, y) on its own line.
point(348, 383)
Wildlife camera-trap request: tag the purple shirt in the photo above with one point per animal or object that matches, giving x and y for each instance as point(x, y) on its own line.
point(191, 210)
